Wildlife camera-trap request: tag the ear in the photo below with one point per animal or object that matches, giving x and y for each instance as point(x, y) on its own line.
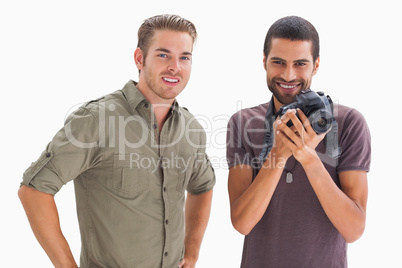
point(316, 65)
point(139, 58)
point(264, 61)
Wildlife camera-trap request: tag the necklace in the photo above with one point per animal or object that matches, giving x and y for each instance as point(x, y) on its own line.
point(289, 175)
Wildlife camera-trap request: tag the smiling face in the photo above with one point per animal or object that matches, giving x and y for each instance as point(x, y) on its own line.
point(166, 69)
point(290, 69)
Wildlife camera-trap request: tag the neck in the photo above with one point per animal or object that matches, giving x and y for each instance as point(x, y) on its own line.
point(277, 105)
point(160, 106)
point(161, 114)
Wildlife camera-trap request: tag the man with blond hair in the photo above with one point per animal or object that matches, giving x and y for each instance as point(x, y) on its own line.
point(132, 154)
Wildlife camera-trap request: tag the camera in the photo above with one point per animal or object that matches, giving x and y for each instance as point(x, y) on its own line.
point(316, 106)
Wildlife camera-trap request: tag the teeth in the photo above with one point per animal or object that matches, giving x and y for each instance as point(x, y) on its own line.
point(286, 86)
point(171, 80)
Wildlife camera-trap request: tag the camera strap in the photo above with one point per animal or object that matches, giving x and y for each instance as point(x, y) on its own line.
point(268, 124)
point(331, 142)
point(332, 147)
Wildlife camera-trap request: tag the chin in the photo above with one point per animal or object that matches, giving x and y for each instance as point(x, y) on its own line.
point(170, 94)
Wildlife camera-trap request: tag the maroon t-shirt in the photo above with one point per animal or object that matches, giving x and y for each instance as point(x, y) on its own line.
point(295, 231)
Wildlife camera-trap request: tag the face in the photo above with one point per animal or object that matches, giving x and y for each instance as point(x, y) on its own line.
point(290, 69)
point(167, 66)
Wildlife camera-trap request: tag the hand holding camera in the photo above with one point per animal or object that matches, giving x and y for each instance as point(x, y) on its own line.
point(316, 106)
point(303, 130)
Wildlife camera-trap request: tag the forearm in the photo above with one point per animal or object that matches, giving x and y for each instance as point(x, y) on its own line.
point(346, 214)
point(197, 211)
point(43, 217)
point(248, 209)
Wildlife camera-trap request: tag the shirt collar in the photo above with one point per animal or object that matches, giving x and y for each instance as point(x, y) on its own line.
point(134, 97)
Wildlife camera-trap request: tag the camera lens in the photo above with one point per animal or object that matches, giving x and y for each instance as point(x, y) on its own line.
point(322, 122)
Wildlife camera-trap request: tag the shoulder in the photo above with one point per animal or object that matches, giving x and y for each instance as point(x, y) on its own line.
point(255, 111)
point(193, 129)
point(342, 111)
point(348, 117)
point(354, 139)
point(189, 118)
point(110, 100)
point(101, 106)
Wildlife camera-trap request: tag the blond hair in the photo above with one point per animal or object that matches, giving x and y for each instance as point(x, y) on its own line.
point(162, 22)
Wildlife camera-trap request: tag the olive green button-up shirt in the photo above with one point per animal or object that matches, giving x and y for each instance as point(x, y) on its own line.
point(129, 177)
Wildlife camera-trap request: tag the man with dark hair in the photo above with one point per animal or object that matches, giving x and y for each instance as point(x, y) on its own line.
point(296, 206)
point(132, 155)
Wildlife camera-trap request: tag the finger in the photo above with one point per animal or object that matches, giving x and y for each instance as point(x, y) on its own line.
point(293, 128)
point(296, 122)
point(306, 123)
point(286, 117)
point(321, 136)
point(297, 127)
point(292, 136)
point(286, 141)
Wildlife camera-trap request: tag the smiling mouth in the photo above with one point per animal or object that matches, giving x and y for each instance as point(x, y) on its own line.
point(288, 86)
point(170, 80)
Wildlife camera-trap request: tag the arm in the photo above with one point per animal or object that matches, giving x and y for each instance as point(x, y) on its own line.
point(249, 199)
point(346, 207)
point(197, 212)
point(42, 214)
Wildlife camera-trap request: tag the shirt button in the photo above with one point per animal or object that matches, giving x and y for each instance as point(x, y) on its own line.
point(154, 126)
point(166, 254)
point(167, 221)
point(164, 189)
point(48, 155)
point(146, 105)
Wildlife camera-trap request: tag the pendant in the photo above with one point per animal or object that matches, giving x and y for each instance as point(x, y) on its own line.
point(289, 177)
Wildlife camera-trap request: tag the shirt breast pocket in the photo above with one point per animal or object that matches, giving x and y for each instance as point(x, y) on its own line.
point(184, 167)
point(129, 179)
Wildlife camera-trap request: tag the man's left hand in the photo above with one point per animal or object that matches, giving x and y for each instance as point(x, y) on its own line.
point(301, 138)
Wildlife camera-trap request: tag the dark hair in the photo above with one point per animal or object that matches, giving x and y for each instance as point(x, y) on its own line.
point(296, 29)
point(163, 22)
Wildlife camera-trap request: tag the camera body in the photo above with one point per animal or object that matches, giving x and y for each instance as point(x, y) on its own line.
point(316, 106)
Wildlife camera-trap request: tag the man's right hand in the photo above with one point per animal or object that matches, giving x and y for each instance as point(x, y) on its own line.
point(280, 150)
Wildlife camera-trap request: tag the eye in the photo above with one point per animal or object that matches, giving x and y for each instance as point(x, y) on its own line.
point(162, 55)
point(300, 64)
point(278, 62)
point(185, 58)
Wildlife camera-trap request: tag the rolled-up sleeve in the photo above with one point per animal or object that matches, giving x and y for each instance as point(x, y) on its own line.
point(203, 176)
point(73, 150)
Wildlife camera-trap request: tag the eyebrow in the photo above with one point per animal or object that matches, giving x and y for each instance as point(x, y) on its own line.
point(296, 61)
point(168, 51)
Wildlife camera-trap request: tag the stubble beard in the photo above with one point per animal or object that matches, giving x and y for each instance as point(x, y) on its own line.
point(285, 98)
point(159, 89)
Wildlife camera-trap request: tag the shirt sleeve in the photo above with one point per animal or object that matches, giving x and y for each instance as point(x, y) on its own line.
point(236, 153)
point(203, 176)
point(355, 142)
point(73, 150)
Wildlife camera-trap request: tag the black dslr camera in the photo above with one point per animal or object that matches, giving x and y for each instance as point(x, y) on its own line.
point(316, 106)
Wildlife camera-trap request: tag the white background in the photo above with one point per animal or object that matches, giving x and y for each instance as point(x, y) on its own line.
point(55, 55)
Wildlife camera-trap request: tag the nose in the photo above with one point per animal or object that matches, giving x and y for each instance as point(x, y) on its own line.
point(174, 65)
point(289, 73)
